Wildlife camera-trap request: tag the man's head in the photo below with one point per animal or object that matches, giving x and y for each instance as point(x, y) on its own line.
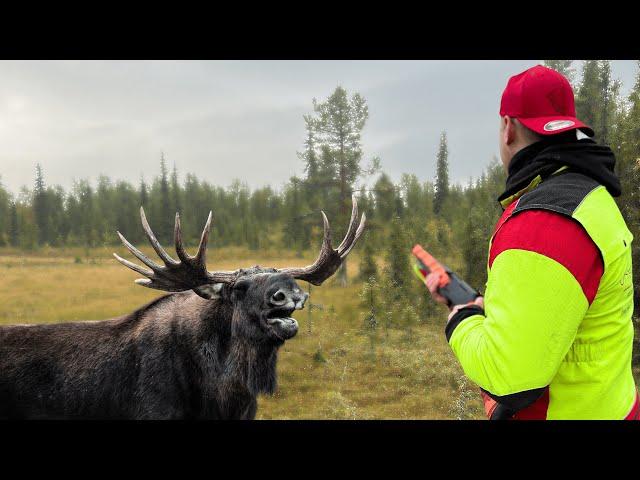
point(536, 104)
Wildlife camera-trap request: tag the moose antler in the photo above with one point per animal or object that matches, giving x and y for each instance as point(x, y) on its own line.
point(329, 260)
point(176, 276)
point(191, 272)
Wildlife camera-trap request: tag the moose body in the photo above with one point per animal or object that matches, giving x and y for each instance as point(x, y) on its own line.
point(204, 352)
point(173, 358)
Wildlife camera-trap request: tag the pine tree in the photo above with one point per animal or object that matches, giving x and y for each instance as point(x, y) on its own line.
point(337, 129)
point(14, 228)
point(442, 176)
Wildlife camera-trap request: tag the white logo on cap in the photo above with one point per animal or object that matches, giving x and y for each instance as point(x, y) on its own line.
point(558, 125)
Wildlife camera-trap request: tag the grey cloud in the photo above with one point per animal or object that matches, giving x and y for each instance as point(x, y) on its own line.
point(241, 119)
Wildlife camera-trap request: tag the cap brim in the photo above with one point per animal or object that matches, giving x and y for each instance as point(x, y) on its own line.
point(554, 125)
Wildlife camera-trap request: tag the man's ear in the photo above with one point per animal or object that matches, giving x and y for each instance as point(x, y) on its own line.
point(509, 130)
point(209, 291)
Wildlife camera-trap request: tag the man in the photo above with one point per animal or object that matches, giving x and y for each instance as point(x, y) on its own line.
point(552, 338)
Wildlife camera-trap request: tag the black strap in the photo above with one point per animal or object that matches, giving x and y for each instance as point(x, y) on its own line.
point(502, 412)
point(509, 405)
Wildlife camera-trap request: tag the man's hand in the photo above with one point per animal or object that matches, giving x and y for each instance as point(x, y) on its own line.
point(432, 281)
point(478, 301)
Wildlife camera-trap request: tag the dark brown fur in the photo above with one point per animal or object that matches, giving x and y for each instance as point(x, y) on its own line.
point(179, 357)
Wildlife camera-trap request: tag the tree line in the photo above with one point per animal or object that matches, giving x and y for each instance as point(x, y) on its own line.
point(453, 220)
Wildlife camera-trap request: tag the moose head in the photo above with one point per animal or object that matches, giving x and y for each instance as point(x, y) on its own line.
point(258, 300)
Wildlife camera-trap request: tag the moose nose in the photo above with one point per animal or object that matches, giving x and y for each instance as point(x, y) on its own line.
point(295, 299)
point(300, 300)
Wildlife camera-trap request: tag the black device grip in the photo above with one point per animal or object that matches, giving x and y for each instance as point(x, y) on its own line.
point(457, 291)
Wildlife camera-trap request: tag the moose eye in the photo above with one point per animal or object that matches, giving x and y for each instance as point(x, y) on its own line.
point(278, 296)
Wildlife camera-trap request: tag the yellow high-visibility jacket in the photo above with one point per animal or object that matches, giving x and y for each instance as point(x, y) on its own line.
point(554, 340)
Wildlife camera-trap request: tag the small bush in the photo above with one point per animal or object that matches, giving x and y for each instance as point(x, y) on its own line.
point(319, 357)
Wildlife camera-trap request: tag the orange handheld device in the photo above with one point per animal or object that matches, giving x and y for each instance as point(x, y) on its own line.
point(452, 287)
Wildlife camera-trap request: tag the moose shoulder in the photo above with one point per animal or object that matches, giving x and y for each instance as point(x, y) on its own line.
point(205, 351)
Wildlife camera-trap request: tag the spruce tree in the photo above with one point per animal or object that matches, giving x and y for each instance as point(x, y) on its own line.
point(313, 182)
point(84, 220)
point(609, 90)
point(442, 176)
point(628, 167)
point(597, 98)
point(293, 228)
point(397, 270)
point(164, 215)
point(14, 228)
point(5, 222)
point(176, 194)
point(368, 266)
point(474, 246)
point(40, 207)
point(401, 294)
point(587, 94)
point(385, 198)
point(144, 193)
point(374, 311)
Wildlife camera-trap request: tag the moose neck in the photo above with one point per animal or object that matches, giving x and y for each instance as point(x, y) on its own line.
point(252, 364)
point(244, 363)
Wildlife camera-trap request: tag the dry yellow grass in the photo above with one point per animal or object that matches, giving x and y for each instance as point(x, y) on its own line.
point(329, 370)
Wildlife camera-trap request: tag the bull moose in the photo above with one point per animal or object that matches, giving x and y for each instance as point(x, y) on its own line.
point(204, 351)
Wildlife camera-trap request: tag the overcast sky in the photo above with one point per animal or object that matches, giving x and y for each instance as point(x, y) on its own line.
point(241, 119)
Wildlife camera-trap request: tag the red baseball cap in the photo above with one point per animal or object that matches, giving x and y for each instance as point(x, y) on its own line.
point(542, 100)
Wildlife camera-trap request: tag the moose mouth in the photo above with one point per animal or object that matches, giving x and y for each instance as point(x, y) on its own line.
point(281, 324)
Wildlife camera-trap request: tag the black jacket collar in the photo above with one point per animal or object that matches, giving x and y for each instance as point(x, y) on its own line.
point(547, 156)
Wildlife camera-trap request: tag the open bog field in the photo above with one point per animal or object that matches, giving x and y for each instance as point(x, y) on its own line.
point(331, 370)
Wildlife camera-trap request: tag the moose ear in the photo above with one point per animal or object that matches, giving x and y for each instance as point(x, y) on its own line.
point(209, 291)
